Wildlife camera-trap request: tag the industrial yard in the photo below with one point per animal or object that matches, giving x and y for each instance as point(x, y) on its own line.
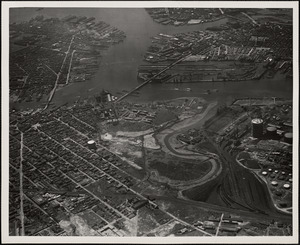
point(177, 162)
point(232, 53)
point(107, 179)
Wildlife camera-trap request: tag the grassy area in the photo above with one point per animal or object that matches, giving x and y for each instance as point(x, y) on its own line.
point(176, 168)
point(206, 146)
point(180, 171)
point(163, 116)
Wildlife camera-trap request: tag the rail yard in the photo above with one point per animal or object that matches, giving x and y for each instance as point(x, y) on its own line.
point(197, 164)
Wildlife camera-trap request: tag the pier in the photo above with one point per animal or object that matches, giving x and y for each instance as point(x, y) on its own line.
point(150, 79)
point(59, 73)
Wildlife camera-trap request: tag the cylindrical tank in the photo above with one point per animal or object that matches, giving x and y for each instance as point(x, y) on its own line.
point(92, 145)
point(257, 128)
point(109, 97)
point(288, 138)
point(271, 132)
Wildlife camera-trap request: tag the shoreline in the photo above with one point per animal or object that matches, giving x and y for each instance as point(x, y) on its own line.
point(164, 136)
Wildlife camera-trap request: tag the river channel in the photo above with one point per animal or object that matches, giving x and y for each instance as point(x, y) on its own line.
point(119, 64)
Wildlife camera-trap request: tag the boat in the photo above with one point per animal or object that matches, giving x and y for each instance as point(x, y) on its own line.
point(194, 21)
point(188, 89)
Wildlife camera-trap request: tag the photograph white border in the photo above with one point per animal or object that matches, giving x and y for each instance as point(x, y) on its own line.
point(144, 4)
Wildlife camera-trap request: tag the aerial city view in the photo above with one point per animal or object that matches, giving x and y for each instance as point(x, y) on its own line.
point(150, 122)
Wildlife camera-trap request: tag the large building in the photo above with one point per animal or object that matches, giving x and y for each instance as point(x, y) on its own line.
point(288, 138)
point(92, 145)
point(257, 128)
point(271, 132)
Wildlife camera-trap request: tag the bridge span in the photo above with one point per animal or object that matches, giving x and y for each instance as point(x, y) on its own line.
point(150, 79)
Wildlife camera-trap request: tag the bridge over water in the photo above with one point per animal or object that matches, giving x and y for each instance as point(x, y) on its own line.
point(150, 79)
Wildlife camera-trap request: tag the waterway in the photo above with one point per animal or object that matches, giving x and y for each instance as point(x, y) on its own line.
point(119, 64)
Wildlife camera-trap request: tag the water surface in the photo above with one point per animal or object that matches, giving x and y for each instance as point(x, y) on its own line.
point(118, 69)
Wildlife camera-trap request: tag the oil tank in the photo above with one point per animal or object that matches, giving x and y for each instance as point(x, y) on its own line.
point(288, 138)
point(257, 128)
point(271, 132)
point(92, 145)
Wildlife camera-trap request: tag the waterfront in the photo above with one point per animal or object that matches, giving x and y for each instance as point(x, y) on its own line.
point(111, 165)
point(118, 69)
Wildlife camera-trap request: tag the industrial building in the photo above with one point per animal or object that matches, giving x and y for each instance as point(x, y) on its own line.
point(271, 132)
point(257, 128)
point(288, 138)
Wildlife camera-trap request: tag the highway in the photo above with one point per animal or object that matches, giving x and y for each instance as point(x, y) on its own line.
point(150, 79)
point(70, 65)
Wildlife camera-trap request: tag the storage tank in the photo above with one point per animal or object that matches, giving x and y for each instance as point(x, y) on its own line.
point(271, 132)
point(257, 128)
point(108, 97)
point(92, 145)
point(288, 138)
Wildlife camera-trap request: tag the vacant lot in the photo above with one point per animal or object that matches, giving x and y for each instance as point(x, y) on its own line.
point(163, 116)
point(126, 126)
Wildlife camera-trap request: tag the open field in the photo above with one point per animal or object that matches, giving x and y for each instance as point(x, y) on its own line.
point(177, 168)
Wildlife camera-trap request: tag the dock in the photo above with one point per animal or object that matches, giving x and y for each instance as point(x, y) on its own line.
point(150, 79)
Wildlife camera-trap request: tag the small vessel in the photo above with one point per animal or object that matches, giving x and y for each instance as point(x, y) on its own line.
point(176, 88)
point(188, 89)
